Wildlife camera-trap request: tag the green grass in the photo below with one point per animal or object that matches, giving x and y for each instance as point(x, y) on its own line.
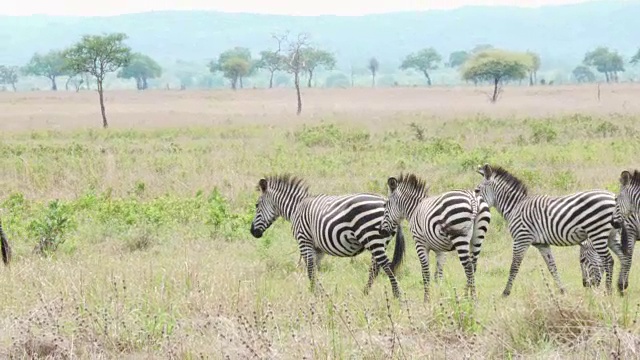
point(152, 252)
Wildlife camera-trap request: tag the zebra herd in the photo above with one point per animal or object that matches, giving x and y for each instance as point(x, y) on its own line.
point(346, 225)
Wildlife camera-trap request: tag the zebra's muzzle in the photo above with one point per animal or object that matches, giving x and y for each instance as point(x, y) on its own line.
point(256, 232)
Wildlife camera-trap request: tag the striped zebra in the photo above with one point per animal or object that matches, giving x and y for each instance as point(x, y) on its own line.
point(338, 225)
point(4, 246)
point(542, 221)
point(628, 210)
point(455, 220)
point(591, 265)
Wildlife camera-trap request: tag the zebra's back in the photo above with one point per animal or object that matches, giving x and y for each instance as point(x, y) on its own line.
point(338, 223)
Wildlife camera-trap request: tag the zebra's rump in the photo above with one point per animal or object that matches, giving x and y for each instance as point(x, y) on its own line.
point(341, 225)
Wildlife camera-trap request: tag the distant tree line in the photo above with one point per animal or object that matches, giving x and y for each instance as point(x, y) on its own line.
point(93, 57)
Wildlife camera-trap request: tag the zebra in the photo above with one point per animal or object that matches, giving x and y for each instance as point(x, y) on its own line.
point(455, 220)
point(628, 210)
point(4, 246)
point(543, 220)
point(591, 265)
point(338, 225)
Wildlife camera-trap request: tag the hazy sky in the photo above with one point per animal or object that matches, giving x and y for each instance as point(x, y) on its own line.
point(291, 7)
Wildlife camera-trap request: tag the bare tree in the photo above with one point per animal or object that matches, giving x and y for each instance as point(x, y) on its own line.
point(296, 62)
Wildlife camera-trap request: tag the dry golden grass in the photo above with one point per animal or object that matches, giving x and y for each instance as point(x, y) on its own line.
point(159, 108)
point(151, 268)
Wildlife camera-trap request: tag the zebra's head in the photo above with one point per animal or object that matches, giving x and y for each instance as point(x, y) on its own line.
point(628, 200)
point(266, 210)
point(404, 194)
point(279, 196)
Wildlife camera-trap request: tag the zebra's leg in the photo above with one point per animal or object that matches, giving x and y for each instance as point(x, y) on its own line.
point(520, 247)
point(601, 245)
point(625, 260)
point(319, 256)
point(423, 255)
point(378, 253)
point(547, 255)
point(462, 245)
point(374, 270)
point(440, 259)
point(309, 254)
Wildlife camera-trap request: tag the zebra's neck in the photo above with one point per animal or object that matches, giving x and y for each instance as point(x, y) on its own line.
point(507, 201)
point(287, 203)
point(409, 205)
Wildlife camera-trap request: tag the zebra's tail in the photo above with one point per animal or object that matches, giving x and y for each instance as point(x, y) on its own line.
point(398, 251)
point(4, 246)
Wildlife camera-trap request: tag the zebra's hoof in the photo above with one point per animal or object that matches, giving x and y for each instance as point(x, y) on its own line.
point(506, 293)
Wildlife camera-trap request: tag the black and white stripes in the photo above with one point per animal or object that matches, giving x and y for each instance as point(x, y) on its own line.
point(338, 225)
point(542, 220)
point(454, 221)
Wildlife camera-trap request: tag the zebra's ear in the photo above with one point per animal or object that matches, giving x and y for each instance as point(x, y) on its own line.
point(625, 178)
point(393, 183)
point(263, 185)
point(485, 170)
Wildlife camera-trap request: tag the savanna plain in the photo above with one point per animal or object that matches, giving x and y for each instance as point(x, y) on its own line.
point(133, 242)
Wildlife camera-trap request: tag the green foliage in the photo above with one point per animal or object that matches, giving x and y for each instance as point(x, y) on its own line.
point(496, 66)
point(315, 58)
point(9, 76)
point(51, 226)
point(234, 64)
point(271, 61)
point(49, 65)
point(583, 74)
point(608, 62)
point(330, 135)
point(98, 55)
point(458, 58)
point(542, 132)
point(423, 61)
point(141, 68)
point(338, 80)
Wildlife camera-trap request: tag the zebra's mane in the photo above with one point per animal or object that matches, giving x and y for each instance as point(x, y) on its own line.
point(287, 181)
point(510, 179)
point(413, 183)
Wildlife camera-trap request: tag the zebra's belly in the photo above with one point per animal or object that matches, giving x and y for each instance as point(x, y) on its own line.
point(346, 245)
point(571, 238)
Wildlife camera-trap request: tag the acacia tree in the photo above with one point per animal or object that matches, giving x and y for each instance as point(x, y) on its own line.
point(9, 76)
point(374, 65)
point(296, 62)
point(141, 68)
point(583, 74)
point(99, 55)
point(234, 64)
point(424, 61)
point(534, 68)
point(496, 66)
point(273, 61)
point(458, 58)
point(50, 65)
point(610, 63)
point(315, 58)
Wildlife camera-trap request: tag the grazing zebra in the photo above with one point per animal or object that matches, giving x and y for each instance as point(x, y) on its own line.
point(542, 221)
point(590, 265)
point(338, 225)
point(4, 246)
point(456, 220)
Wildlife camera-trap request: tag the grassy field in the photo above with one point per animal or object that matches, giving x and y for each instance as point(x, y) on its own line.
point(147, 223)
